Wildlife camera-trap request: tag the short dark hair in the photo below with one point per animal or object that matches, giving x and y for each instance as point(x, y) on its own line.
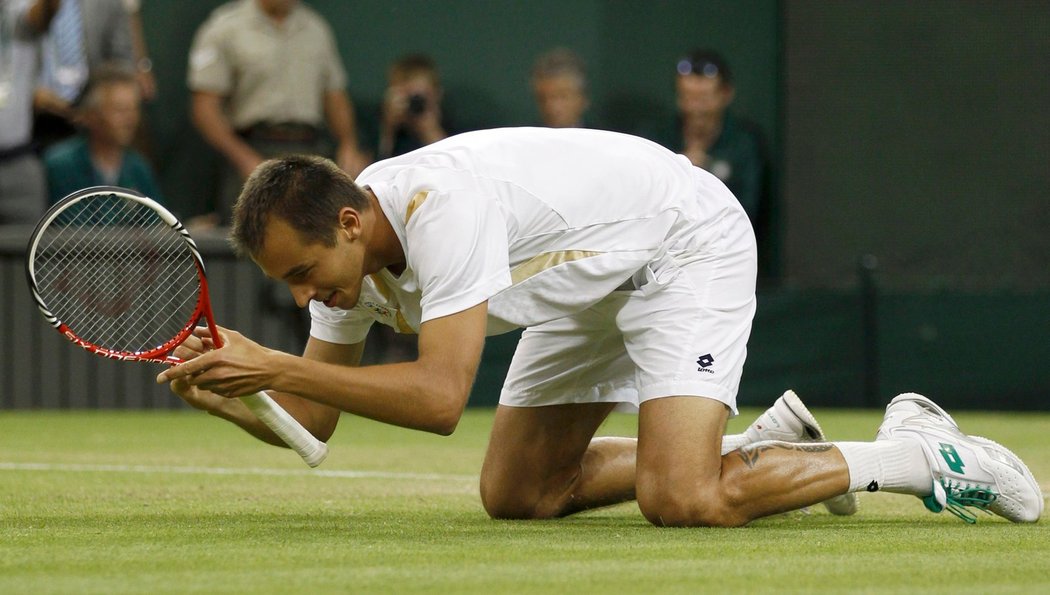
point(705, 62)
point(411, 65)
point(305, 191)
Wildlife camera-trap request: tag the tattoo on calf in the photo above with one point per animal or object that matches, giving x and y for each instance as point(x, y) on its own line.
point(750, 453)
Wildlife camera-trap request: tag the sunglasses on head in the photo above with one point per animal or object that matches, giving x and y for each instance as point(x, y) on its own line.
point(704, 68)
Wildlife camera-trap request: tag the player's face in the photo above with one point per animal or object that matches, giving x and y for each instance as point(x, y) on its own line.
point(560, 100)
point(328, 274)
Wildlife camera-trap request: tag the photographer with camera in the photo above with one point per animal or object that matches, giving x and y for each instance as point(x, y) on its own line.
point(411, 115)
point(410, 118)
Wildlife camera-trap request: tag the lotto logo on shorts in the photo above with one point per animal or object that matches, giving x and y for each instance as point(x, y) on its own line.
point(705, 362)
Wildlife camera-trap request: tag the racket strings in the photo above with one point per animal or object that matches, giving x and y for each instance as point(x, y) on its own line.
point(111, 275)
point(117, 274)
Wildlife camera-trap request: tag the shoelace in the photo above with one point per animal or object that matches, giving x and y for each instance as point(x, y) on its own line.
point(959, 497)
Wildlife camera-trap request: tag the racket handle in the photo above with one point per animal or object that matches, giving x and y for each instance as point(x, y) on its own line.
point(312, 450)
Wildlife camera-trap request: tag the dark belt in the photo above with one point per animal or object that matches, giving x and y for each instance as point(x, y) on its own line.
point(287, 132)
point(16, 152)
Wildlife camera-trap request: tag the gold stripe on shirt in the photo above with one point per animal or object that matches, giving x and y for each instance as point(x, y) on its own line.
point(541, 262)
point(402, 325)
point(383, 288)
point(415, 203)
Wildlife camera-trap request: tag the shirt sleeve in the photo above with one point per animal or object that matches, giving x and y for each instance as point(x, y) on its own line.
point(209, 67)
point(457, 246)
point(334, 325)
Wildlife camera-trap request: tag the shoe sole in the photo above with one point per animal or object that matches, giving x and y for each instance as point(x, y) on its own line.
point(846, 504)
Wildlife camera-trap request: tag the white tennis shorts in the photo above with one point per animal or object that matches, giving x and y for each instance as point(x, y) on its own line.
point(682, 331)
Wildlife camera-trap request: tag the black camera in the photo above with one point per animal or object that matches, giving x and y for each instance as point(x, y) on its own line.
point(417, 104)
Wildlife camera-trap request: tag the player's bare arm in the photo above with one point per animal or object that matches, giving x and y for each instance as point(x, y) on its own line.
point(427, 394)
point(319, 419)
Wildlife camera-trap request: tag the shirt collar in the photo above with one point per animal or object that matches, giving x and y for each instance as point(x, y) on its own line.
point(260, 19)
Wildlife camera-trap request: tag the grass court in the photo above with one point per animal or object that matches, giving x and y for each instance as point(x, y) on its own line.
point(179, 502)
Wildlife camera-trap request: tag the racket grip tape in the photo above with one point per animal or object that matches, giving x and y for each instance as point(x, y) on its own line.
point(312, 450)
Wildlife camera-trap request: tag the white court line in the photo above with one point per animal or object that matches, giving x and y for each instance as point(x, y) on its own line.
point(336, 473)
point(165, 469)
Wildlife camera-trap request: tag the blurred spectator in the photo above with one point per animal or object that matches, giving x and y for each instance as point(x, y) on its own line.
point(140, 51)
point(712, 138)
point(109, 112)
point(145, 75)
point(559, 84)
point(266, 76)
point(84, 35)
point(412, 115)
point(23, 192)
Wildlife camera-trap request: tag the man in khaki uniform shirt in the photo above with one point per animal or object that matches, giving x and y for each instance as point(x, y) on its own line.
point(266, 76)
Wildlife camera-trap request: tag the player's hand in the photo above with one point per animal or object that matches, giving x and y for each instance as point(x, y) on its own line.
point(197, 398)
point(191, 348)
point(241, 367)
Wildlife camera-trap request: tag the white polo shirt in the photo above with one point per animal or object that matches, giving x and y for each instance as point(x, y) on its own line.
point(540, 222)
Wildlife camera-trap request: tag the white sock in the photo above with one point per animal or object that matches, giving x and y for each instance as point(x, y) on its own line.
point(891, 465)
point(731, 442)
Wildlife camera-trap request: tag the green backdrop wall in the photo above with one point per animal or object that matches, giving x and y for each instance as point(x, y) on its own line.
point(918, 132)
point(913, 131)
point(485, 51)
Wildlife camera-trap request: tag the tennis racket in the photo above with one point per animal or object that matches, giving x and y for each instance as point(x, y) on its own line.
point(118, 274)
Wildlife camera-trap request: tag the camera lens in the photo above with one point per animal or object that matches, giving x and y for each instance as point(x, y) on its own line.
point(417, 104)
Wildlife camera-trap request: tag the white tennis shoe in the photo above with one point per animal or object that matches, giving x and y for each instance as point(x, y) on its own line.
point(788, 420)
point(968, 471)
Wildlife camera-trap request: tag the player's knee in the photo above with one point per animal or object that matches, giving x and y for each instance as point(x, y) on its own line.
point(520, 501)
point(507, 508)
point(499, 501)
point(503, 504)
point(687, 505)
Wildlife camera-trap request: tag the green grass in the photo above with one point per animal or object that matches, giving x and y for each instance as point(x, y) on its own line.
point(178, 502)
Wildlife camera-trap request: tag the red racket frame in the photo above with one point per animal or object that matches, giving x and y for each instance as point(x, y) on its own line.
point(262, 405)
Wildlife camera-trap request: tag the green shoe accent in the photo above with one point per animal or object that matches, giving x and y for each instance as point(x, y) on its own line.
point(932, 504)
point(951, 456)
point(959, 498)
